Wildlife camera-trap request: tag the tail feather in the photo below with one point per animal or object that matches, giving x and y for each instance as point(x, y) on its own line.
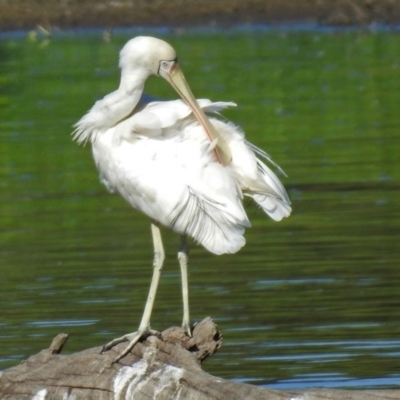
point(219, 227)
point(270, 194)
point(277, 209)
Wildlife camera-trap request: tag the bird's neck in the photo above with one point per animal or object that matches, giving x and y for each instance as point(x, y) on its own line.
point(113, 108)
point(133, 80)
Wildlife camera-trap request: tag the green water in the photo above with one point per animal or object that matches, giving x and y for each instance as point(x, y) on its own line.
point(311, 301)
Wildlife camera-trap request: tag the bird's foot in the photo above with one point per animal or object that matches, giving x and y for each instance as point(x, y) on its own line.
point(187, 328)
point(132, 338)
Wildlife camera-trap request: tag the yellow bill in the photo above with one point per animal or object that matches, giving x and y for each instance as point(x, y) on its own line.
point(177, 80)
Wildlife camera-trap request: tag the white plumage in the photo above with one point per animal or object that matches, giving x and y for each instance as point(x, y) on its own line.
point(184, 170)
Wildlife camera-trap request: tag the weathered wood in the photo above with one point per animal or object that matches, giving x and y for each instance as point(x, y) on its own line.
point(168, 367)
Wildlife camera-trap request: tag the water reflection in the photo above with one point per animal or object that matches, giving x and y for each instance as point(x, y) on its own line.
point(311, 301)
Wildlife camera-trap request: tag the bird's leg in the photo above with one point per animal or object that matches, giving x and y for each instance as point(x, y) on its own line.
point(183, 262)
point(144, 327)
point(159, 257)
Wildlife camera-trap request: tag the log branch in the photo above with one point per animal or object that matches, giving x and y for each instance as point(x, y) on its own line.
point(168, 367)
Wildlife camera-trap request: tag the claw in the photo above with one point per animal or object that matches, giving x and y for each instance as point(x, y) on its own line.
point(187, 329)
point(132, 338)
point(128, 348)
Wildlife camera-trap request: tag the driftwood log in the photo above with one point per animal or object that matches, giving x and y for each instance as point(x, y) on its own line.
point(165, 367)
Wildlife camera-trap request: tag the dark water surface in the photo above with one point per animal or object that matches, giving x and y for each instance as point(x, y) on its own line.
point(311, 301)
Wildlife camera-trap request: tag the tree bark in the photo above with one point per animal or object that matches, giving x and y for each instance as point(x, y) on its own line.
point(166, 367)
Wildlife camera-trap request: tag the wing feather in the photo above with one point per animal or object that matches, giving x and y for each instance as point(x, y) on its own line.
point(209, 223)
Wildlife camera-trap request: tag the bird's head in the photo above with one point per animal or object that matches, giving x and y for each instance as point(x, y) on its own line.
point(153, 56)
point(146, 53)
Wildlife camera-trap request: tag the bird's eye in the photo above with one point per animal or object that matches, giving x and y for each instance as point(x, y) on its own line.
point(164, 64)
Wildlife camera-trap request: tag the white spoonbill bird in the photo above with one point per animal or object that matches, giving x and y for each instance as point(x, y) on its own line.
point(180, 166)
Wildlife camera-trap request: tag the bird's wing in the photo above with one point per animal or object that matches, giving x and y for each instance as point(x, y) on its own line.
point(255, 178)
point(175, 179)
point(217, 224)
point(105, 114)
point(156, 116)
